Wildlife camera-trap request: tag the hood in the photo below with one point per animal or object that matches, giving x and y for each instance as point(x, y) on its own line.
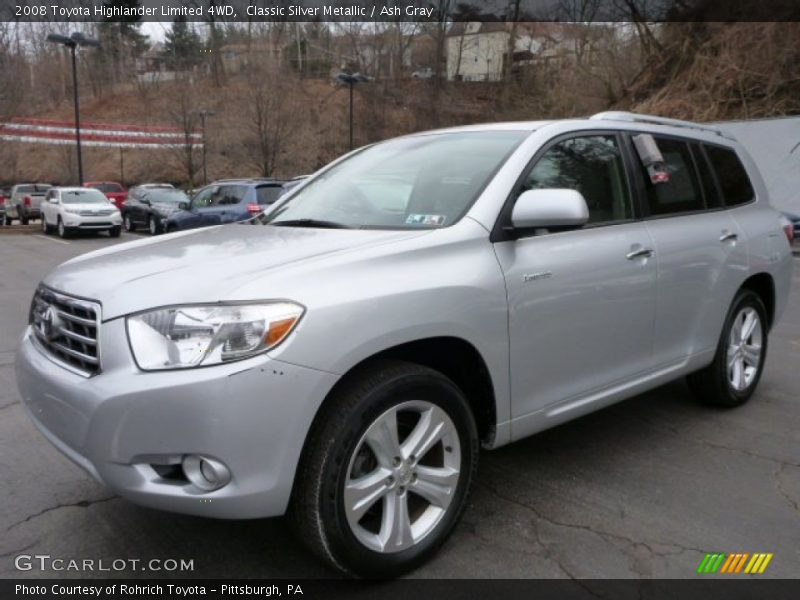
point(164, 208)
point(202, 265)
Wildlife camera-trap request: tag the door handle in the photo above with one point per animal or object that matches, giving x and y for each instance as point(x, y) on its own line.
point(728, 236)
point(640, 253)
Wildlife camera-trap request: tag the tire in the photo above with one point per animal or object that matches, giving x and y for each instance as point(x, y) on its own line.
point(62, 230)
point(9, 220)
point(720, 384)
point(337, 454)
point(46, 229)
point(115, 232)
point(128, 224)
point(24, 219)
point(152, 225)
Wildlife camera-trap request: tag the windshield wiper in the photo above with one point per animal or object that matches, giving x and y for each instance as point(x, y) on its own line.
point(310, 223)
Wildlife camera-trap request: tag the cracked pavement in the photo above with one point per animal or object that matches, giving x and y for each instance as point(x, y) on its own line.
point(639, 490)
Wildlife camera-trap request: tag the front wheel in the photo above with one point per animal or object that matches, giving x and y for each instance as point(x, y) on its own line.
point(152, 225)
point(128, 224)
point(45, 227)
point(732, 377)
point(114, 232)
point(386, 470)
point(62, 230)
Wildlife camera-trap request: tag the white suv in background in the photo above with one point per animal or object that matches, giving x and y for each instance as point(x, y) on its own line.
point(71, 209)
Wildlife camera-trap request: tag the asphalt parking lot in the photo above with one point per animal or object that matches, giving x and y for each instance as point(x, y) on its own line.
point(642, 489)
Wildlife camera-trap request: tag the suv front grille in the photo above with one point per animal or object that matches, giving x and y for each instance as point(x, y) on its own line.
point(66, 329)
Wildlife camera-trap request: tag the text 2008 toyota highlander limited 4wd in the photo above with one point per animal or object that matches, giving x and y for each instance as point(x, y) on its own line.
point(415, 299)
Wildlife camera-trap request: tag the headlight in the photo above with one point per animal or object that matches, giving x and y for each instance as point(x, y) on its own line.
point(191, 336)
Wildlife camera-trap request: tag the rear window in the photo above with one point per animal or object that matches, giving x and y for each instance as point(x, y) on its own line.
point(267, 194)
point(731, 175)
point(681, 192)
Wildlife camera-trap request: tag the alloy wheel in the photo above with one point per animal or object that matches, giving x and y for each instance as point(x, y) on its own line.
point(744, 348)
point(151, 223)
point(402, 476)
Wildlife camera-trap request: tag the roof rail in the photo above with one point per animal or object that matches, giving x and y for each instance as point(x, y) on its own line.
point(618, 115)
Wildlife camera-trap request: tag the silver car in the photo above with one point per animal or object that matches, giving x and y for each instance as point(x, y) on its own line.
point(412, 302)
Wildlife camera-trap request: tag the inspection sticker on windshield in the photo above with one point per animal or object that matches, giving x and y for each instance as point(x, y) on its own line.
point(415, 219)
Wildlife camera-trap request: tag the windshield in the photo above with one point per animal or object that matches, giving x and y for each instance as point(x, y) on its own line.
point(108, 188)
point(410, 183)
point(165, 196)
point(83, 197)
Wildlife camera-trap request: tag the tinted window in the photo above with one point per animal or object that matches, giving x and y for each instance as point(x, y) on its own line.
point(591, 165)
point(731, 175)
point(267, 194)
point(166, 196)
point(230, 194)
point(681, 192)
point(710, 190)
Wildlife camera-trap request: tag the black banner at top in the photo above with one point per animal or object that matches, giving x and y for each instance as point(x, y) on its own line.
point(398, 10)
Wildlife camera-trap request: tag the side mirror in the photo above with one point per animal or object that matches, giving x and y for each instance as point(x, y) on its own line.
point(53, 200)
point(183, 205)
point(549, 208)
point(145, 201)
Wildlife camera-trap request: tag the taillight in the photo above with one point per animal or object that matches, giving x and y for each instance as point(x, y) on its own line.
point(26, 200)
point(788, 229)
point(253, 208)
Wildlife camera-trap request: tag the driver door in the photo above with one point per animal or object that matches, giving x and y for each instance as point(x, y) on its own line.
point(581, 301)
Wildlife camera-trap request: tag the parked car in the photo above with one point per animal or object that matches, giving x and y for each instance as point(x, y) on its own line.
point(4, 194)
point(793, 225)
point(25, 202)
point(413, 302)
point(114, 191)
point(226, 201)
point(68, 210)
point(151, 207)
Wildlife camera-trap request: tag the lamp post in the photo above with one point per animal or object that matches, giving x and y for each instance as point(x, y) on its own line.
point(73, 42)
point(351, 79)
point(204, 112)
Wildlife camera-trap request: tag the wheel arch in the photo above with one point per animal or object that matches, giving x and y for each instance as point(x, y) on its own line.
point(763, 285)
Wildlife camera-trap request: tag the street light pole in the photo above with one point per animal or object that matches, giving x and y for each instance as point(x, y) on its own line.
point(351, 79)
point(77, 112)
point(72, 42)
point(204, 112)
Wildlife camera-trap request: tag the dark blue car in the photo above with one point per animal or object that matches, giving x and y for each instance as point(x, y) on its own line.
point(226, 201)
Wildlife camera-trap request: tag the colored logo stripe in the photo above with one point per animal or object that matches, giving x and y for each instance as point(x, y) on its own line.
point(720, 562)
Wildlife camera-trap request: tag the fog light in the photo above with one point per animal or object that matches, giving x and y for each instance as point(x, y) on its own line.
point(206, 473)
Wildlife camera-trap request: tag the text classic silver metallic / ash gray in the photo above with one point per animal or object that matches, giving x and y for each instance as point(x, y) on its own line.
point(343, 358)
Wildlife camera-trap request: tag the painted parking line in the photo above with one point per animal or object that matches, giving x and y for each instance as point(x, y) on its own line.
point(49, 239)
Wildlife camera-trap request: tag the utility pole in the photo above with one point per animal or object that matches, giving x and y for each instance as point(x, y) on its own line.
point(203, 113)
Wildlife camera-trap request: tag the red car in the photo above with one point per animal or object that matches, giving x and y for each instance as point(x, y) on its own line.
point(114, 191)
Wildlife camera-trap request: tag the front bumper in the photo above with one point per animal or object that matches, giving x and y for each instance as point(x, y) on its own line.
point(252, 415)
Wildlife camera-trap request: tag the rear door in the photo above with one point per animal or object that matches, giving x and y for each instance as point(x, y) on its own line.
point(698, 245)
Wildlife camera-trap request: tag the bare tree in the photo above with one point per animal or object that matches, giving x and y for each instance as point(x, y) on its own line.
point(267, 118)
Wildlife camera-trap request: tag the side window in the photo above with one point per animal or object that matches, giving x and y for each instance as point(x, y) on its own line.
point(731, 175)
point(267, 194)
point(591, 165)
point(681, 192)
point(710, 190)
point(203, 198)
point(231, 194)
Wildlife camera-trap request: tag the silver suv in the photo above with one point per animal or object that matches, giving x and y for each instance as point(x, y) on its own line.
point(413, 301)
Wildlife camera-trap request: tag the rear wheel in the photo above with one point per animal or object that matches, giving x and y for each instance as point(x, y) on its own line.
point(386, 470)
point(732, 377)
point(152, 226)
point(114, 232)
point(24, 219)
point(9, 220)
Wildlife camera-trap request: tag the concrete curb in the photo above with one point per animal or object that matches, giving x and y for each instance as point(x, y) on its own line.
point(19, 229)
